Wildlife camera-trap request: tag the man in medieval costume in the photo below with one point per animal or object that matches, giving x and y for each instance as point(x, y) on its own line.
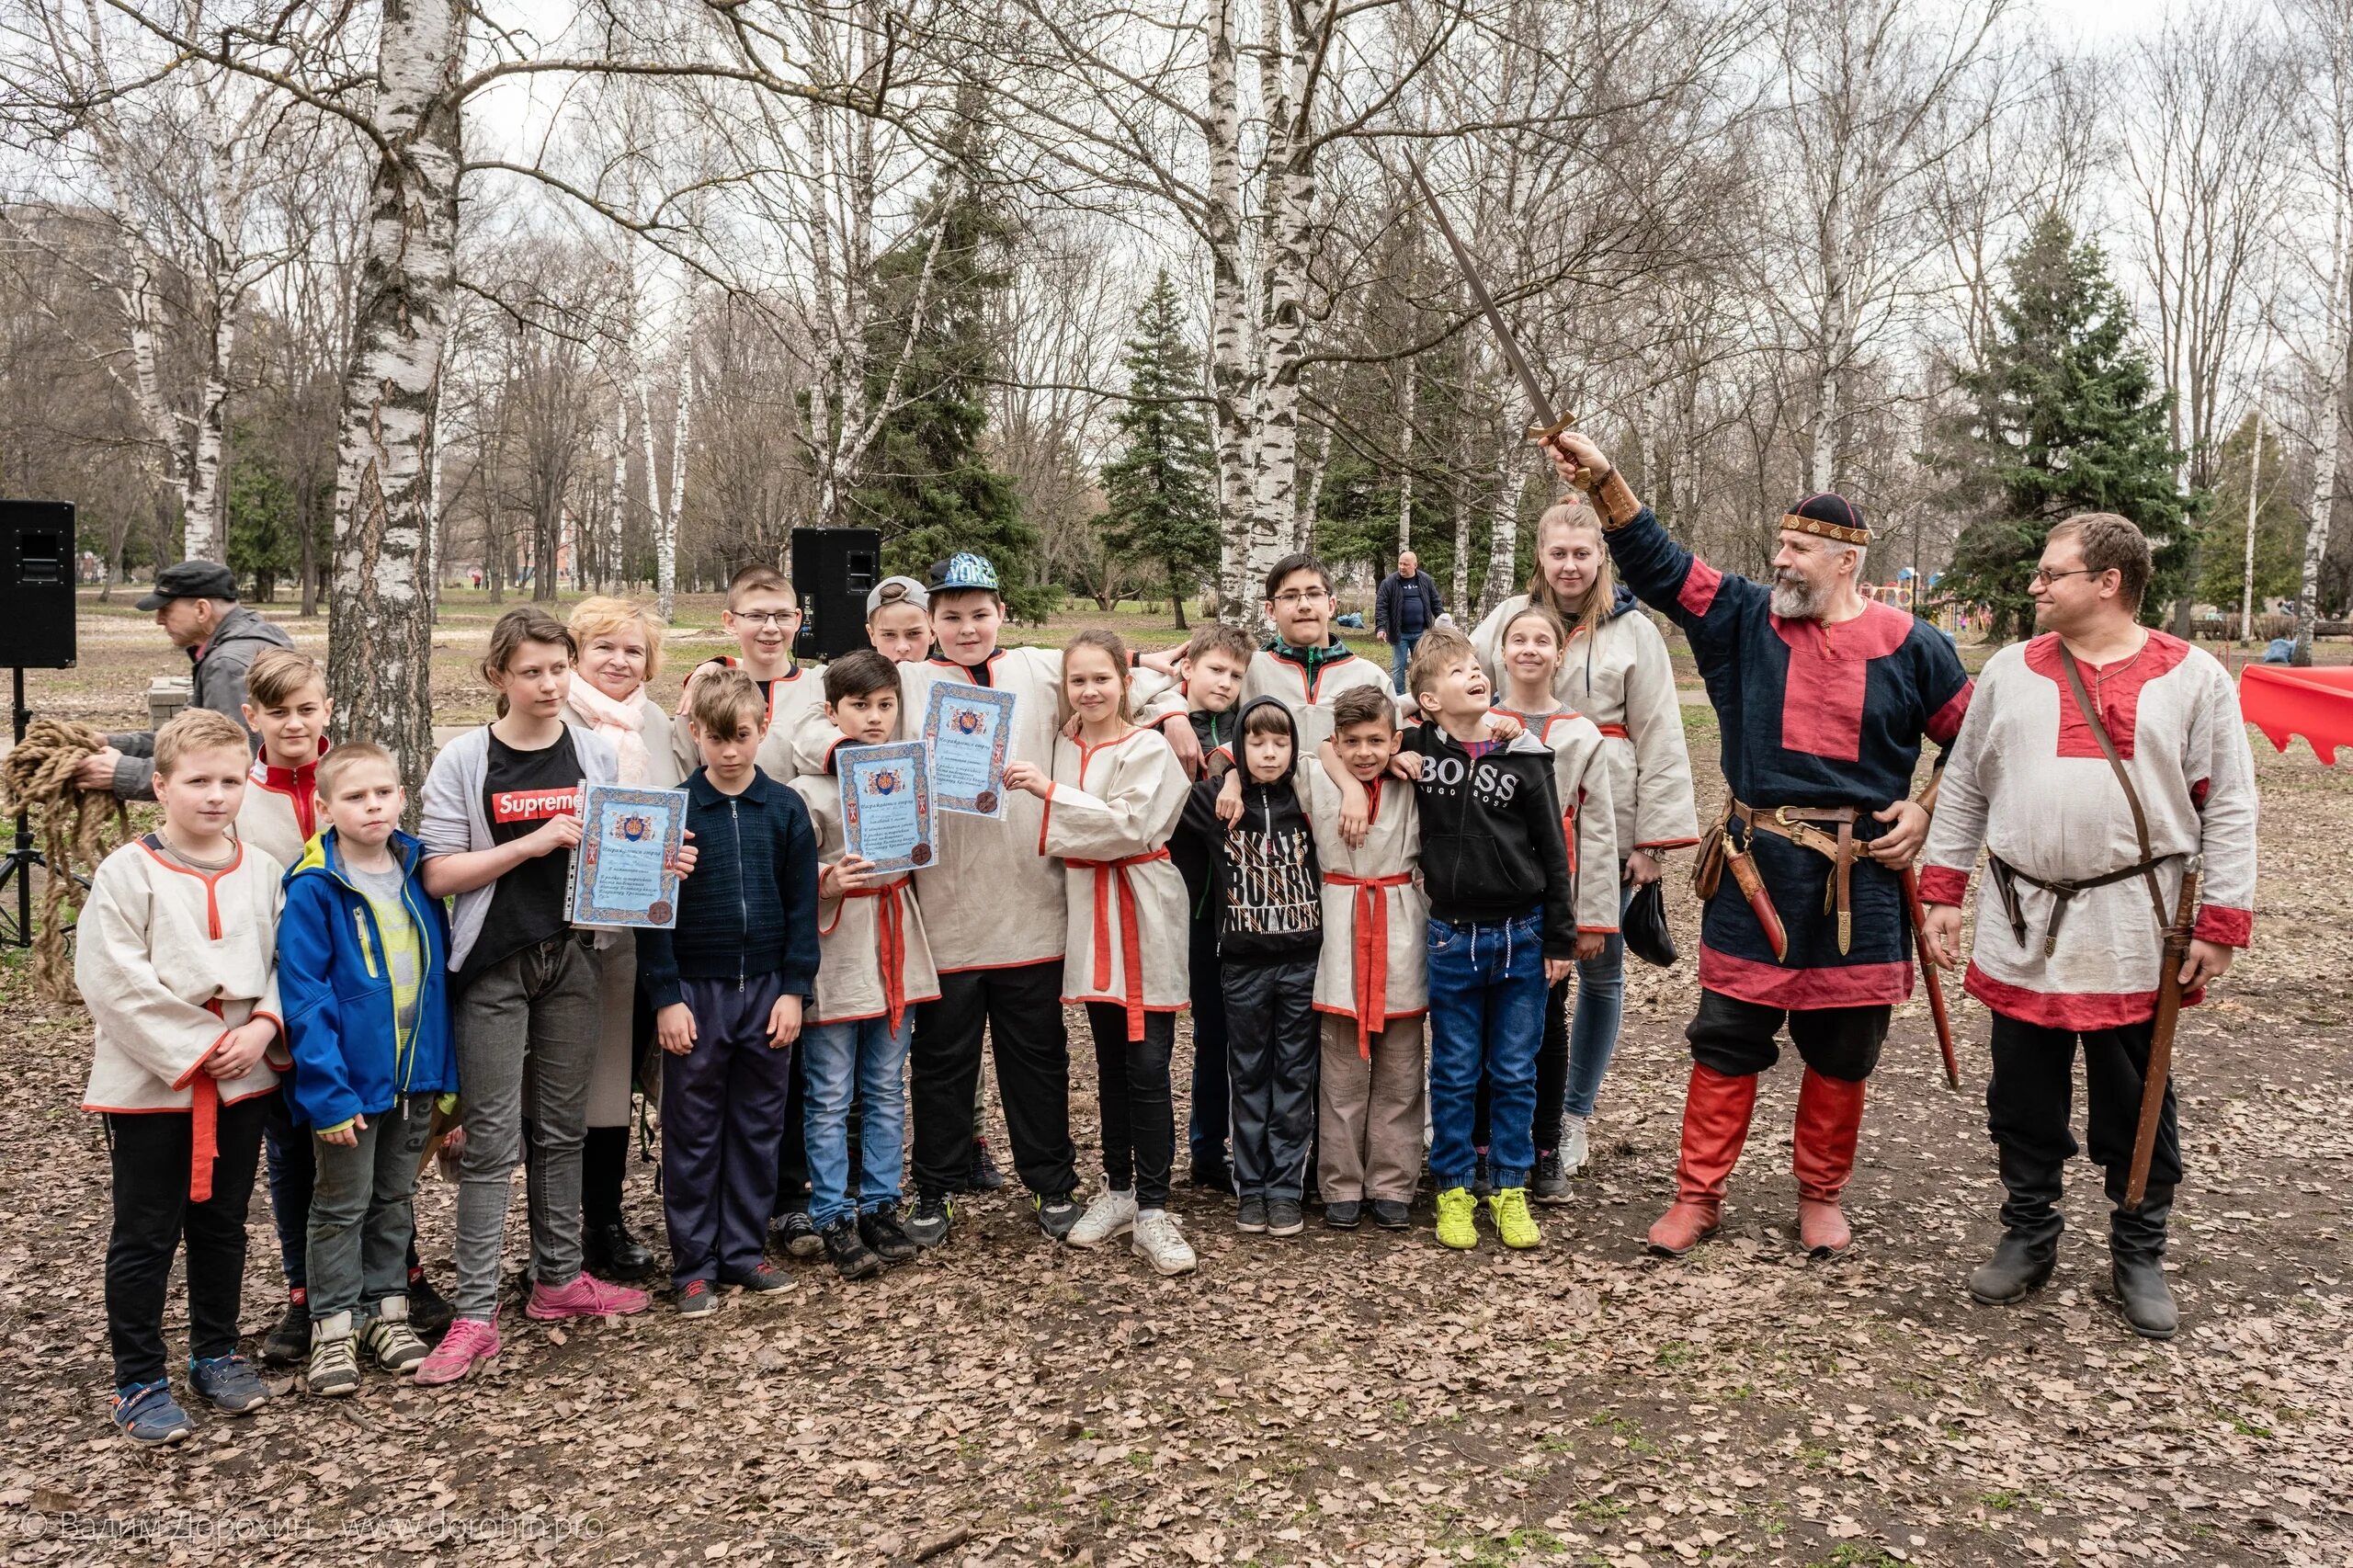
point(2099, 764)
point(1823, 697)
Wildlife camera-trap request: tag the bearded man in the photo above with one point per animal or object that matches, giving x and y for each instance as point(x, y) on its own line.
point(1823, 697)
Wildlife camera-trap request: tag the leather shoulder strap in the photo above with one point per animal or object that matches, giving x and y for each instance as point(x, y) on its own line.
point(2123, 779)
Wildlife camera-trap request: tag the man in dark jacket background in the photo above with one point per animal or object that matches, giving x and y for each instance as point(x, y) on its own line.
point(196, 603)
point(1406, 607)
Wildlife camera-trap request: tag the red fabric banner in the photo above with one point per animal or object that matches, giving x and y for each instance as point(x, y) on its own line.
point(2317, 704)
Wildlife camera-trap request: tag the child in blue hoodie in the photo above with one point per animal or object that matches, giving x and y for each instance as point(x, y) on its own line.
point(363, 950)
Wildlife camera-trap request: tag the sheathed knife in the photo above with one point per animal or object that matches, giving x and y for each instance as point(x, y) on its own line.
point(1548, 423)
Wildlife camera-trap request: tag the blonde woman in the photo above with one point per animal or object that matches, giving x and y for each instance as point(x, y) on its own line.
point(1615, 672)
point(621, 653)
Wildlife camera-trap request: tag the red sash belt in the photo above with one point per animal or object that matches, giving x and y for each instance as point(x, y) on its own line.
point(204, 1123)
point(890, 945)
point(1371, 988)
point(1111, 882)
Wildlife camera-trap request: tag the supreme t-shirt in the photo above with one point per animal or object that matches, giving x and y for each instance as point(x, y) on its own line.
point(521, 789)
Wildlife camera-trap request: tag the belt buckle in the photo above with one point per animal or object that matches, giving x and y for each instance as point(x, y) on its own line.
point(1781, 815)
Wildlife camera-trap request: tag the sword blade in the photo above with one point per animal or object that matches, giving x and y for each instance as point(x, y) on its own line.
point(1537, 401)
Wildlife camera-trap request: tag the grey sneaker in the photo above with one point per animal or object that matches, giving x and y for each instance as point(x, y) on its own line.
point(1111, 1214)
point(388, 1340)
point(929, 1221)
point(1159, 1242)
point(1390, 1215)
point(1548, 1184)
point(335, 1363)
point(1056, 1215)
point(1251, 1217)
point(1283, 1217)
point(228, 1384)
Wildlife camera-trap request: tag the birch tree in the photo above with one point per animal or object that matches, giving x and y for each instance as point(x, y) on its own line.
point(2327, 106)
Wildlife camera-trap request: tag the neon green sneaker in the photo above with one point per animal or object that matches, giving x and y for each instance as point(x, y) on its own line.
point(1514, 1224)
point(1456, 1209)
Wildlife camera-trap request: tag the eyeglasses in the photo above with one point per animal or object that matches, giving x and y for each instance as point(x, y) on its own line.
point(769, 617)
point(1299, 597)
point(2046, 577)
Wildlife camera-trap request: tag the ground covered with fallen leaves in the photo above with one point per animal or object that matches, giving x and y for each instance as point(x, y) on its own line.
point(1345, 1398)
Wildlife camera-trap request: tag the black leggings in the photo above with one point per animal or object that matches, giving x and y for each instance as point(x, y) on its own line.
point(2030, 1094)
point(1131, 1090)
point(1551, 1076)
point(149, 1152)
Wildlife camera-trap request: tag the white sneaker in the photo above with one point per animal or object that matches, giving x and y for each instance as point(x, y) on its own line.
point(1575, 1156)
point(1111, 1214)
point(1159, 1242)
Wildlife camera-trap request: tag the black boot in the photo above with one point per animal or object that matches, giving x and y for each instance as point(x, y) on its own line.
point(608, 1249)
point(2022, 1260)
point(2136, 1245)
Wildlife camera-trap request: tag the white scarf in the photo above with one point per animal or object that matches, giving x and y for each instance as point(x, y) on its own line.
point(618, 722)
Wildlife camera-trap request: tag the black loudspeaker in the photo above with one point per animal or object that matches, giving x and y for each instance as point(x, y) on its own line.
point(37, 584)
point(832, 570)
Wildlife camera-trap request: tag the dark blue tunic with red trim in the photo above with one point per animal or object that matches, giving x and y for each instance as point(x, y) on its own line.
point(1812, 715)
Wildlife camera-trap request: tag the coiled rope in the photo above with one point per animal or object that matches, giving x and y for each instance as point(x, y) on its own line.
point(38, 779)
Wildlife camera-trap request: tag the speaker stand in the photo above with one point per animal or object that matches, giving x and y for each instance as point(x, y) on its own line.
point(17, 866)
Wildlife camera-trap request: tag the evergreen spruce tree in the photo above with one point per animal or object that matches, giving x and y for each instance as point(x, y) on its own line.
point(1160, 507)
point(2065, 415)
point(928, 485)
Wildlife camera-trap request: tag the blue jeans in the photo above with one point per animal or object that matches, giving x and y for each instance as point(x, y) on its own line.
point(1600, 1006)
point(1486, 990)
point(1401, 655)
point(861, 1060)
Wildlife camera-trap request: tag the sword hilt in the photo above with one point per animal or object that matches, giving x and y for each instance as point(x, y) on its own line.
point(1582, 479)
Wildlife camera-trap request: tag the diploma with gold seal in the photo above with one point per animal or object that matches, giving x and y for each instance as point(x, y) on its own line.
point(629, 839)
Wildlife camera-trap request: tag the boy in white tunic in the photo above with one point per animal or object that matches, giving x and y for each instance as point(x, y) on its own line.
point(876, 969)
point(1368, 984)
point(177, 958)
point(2083, 875)
point(1107, 810)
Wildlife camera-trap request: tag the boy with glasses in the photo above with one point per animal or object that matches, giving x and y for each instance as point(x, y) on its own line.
point(763, 614)
point(1306, 665)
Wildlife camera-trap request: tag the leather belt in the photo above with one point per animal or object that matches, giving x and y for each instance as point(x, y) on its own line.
point(1798, 825)
point(2062, 892)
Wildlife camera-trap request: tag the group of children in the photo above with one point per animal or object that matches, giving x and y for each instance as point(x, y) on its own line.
point(1248, 832)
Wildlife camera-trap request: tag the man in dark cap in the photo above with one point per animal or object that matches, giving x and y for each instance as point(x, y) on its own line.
point(196, 603)
point(1825, 697)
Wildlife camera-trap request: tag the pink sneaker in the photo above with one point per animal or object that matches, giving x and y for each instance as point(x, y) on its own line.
point(585, 1297)
point(471, 1342)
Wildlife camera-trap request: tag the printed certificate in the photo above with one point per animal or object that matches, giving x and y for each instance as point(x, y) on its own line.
point(967, 730)
point(886, 804)
point(628, 838)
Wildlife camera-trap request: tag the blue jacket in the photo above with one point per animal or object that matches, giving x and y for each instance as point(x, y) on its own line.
point(338, 994)
point(750, 908)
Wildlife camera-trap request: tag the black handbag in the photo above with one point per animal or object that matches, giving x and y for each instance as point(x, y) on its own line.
point(1644, 926)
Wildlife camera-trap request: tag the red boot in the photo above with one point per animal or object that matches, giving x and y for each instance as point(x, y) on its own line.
point(1830, 1113)
point(1715, 1125)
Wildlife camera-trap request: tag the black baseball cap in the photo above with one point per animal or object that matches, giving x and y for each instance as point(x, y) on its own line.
point(190, 580)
